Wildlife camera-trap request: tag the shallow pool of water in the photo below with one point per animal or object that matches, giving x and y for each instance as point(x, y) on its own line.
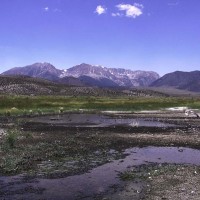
point(97, 120)
point(97, 180)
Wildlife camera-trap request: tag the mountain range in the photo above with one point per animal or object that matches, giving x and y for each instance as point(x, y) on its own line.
point(26, 85)
point(87, 75)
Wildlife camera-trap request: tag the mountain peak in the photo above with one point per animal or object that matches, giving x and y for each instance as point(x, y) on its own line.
point(42, 65)
point(42, 70)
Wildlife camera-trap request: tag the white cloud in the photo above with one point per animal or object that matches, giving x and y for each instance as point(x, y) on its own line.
point(46, 9)
point(133, 11)
point(100, 10)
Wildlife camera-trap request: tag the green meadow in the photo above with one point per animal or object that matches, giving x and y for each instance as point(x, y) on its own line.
point(28, 104)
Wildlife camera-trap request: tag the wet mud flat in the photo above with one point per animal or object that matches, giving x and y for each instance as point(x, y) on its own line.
point(103, 157)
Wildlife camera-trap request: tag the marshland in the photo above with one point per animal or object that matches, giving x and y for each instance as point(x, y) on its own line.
point(99, 147)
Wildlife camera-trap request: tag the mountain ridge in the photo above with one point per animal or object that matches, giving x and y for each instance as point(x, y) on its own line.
point(87, 74)
point(180, 80)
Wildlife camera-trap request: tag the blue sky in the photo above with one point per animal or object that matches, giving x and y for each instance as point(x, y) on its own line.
point(154, 35)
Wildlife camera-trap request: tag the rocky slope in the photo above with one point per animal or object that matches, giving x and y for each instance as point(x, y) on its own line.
point(24, 85)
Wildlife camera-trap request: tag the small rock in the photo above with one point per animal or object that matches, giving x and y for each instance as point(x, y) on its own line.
point(183, 190)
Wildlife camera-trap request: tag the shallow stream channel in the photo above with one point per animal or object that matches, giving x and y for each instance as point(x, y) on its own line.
point(99, 181)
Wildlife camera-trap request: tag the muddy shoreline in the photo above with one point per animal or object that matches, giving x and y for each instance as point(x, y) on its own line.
point(53, 149)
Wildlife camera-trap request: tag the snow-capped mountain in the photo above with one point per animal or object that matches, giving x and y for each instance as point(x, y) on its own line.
point(118, 76)
point(88, 75)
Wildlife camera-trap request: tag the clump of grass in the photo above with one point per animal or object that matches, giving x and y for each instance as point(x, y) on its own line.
point(14, 110)
point(28, 135)
point(61, 110)
point(11, 138)
point(39, 111)
point(9, 164)
point(146, 171)
point(7, 113)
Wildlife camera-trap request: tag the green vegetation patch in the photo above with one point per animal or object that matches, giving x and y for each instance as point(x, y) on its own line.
point(13, 105)
point(52, 155)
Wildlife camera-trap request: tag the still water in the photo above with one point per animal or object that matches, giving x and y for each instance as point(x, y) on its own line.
point(97, 180)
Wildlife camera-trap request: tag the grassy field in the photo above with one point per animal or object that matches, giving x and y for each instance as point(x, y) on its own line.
point(43, 104)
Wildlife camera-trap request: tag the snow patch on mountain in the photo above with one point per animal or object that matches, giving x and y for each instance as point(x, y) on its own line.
point(121, 77)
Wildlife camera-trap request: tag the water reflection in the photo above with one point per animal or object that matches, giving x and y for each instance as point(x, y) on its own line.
point(98, 120)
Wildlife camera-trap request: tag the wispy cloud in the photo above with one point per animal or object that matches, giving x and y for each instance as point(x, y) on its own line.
point(56, 10)
point(117, 14)
point(100, 10)
point(133, 11)
point(173, 3)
